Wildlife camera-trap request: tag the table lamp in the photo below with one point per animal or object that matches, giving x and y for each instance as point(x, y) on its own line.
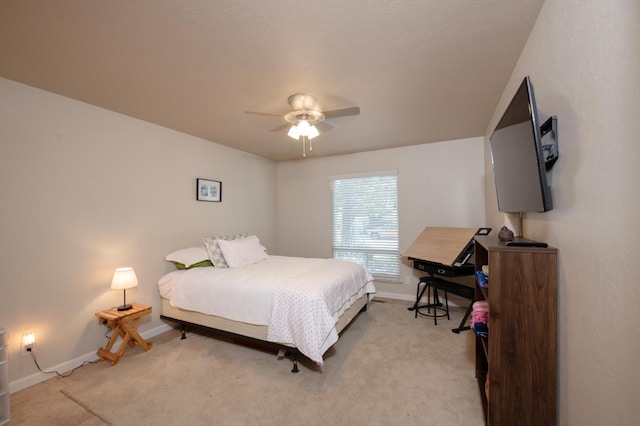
point(124, 278)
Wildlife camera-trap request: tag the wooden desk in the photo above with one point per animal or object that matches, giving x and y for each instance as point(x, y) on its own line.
point(441, 245)
point(123, 324)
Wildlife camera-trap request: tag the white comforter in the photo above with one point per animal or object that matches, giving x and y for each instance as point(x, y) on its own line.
point(299, 299)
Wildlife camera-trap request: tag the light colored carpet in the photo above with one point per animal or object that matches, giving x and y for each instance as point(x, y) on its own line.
point(387, 368)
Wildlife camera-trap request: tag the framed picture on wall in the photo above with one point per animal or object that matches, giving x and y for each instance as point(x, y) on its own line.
point(208, 190)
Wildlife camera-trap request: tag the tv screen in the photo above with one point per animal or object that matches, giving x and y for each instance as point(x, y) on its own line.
point(517, 156)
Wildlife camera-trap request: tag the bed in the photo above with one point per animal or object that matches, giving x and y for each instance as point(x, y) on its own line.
point(296, 305)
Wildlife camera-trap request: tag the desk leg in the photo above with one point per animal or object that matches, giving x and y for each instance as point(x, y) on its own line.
point(463, 327)
point(105, 353)
point(132, 333)
point(126, 329)
point(123, 345)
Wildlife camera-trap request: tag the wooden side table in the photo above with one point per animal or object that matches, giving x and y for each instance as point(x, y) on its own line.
point(123, 324)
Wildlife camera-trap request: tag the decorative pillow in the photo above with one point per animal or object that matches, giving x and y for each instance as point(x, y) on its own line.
point(213, 249)
point(244, 252)
point(203, 264)
point(188, 256)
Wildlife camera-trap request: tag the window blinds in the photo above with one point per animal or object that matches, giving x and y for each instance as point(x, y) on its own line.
point(365, 222)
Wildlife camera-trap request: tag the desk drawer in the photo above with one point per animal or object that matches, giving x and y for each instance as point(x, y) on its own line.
point(444, 270)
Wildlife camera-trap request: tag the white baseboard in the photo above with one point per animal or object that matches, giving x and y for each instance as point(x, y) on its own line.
point(34, 379)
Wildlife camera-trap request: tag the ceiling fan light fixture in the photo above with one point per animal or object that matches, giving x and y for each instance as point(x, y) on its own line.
point(313, 132)
point(303, 127)
point(294, 133)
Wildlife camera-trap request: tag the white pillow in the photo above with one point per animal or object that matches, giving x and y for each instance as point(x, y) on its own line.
point(242, 252)
point(215, 255)
point(188, 256)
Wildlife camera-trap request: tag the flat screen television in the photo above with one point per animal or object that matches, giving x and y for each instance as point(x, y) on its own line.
point(518, 157)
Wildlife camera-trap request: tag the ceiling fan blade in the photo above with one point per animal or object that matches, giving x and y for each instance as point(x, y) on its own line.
point(263, 113)
point(324, 127)
point(342, 112)
point(280, 127)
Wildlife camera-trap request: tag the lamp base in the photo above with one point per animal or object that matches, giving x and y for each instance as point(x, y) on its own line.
point(124, 307)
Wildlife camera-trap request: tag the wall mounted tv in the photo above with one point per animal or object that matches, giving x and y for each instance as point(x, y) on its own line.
point(520, 160)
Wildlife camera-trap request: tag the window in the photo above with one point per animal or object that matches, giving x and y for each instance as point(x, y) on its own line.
point(365, 222)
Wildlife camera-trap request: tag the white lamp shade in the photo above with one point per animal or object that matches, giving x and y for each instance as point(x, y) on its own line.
point(313, 132)
point(294, 133)
point(303, 127)
point(124, 278)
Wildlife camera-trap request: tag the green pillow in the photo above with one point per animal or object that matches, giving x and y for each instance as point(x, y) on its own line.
point(201, 264)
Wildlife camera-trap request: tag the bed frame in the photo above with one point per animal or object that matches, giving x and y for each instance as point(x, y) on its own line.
point(242, 331)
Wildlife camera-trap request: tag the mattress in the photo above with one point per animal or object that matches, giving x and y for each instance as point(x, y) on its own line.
point(298, 301)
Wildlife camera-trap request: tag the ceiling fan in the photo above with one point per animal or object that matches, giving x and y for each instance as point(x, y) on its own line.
point(306, 117)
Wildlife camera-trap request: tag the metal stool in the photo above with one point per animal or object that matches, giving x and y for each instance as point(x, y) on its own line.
point(430, 285)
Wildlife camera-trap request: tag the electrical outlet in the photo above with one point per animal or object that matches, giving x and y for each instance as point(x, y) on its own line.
point(27, 343)
point(26, 349)
point(407, 279)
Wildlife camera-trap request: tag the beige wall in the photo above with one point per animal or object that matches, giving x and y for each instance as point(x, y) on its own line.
point(584, 62)
point(85, 190)
point(439, 184)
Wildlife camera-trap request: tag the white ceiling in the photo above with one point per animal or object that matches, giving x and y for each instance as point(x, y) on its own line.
point(420, 70)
